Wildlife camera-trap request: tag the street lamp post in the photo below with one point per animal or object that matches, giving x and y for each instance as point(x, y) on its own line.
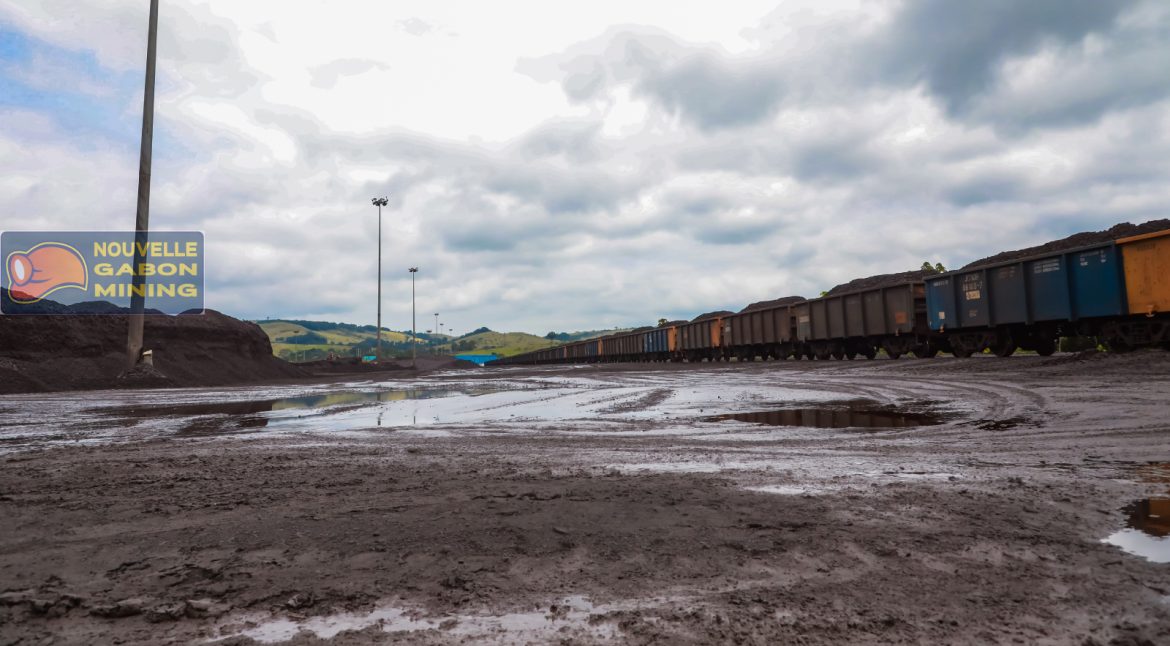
point(379, 202)
point(142, 216)
point(413, 336)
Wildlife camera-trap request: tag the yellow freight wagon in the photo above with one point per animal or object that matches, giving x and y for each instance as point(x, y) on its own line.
point(1146, 259)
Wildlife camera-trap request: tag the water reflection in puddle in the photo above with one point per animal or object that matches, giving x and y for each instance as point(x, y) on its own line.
point(572, 617)
point(324, 400)
point(787, 490)
point(342, 409)
point(1147, 531)
point(846, 415)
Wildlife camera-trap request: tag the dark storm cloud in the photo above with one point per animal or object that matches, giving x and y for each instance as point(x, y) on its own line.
point(522, 198)
point(1127, 70)
point(818, 156)
point(573, 140)
point(956, 48)
point(714, 91)
point(999, 187)
point(832, 160)
point(1108, 54)
point(730, 231)
point(560, 189)
point(541, 168)
point(703, 85)
point(697, 203)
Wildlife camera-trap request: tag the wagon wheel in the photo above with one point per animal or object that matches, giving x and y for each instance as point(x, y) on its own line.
point(869, 352)
point(839, 355)
point(926, 351)
point(959, 350)
point(824, 354)
point(893, 354)
point(850, 355)
point(1005, 347)
point(1045, 346)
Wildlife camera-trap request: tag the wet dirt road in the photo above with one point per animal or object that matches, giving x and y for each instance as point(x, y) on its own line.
point(943, 501)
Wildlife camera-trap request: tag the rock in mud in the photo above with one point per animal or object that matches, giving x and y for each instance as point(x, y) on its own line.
point(199, 608)
point(120, 609)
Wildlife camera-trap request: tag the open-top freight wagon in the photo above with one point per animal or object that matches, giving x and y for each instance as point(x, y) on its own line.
point(766, 333)
point(1118, 291)
point(862, 322)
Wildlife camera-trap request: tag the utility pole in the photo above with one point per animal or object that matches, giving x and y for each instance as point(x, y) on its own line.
point(413, 335)
point(142, 216)
point(379, 202)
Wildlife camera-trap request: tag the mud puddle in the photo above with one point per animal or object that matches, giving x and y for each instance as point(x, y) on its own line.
point(210, 418)
point(252, 407)
point(571, 617)
point(1147, 521)
point(792, 490)
point(1147, 530)
point(845, 415)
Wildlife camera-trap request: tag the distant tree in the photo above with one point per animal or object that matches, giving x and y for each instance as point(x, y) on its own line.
point(824, 293)
point(936, 268)
point(551, 336)
point(939, 268)
point(661, 322)
point(308, 338)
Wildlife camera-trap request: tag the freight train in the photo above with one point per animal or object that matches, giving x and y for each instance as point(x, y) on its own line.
point(1117, 291)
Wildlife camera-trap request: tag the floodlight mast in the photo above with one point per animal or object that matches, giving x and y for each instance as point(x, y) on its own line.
point(413, 335)
point(379, 202)
point(142, 216)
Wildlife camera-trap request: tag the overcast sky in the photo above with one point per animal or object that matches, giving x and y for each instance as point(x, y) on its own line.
point(581, 165)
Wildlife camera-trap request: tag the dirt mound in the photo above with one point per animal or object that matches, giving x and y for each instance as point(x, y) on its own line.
point(1123, 230)
point(711, 315)
point(880, 280)
point(779, 302)
point(69, 352)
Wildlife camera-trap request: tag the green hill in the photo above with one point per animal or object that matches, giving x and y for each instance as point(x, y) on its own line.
point(569, 337)
point(297, 340)
point(502, 343)
point(306, 340)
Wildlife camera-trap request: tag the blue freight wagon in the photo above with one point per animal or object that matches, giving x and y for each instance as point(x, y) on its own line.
point(1026, 303)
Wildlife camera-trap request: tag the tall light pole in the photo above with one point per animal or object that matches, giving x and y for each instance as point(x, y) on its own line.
point(413, 336)
point(142, 216)
point(436, 330)
point(379, 202)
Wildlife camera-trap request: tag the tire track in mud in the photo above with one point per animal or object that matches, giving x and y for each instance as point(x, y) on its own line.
point(980, 401)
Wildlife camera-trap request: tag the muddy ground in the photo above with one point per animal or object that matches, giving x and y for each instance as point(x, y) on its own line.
point(595, 505)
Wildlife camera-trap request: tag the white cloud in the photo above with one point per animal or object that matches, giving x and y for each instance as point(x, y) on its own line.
point(559, 166)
